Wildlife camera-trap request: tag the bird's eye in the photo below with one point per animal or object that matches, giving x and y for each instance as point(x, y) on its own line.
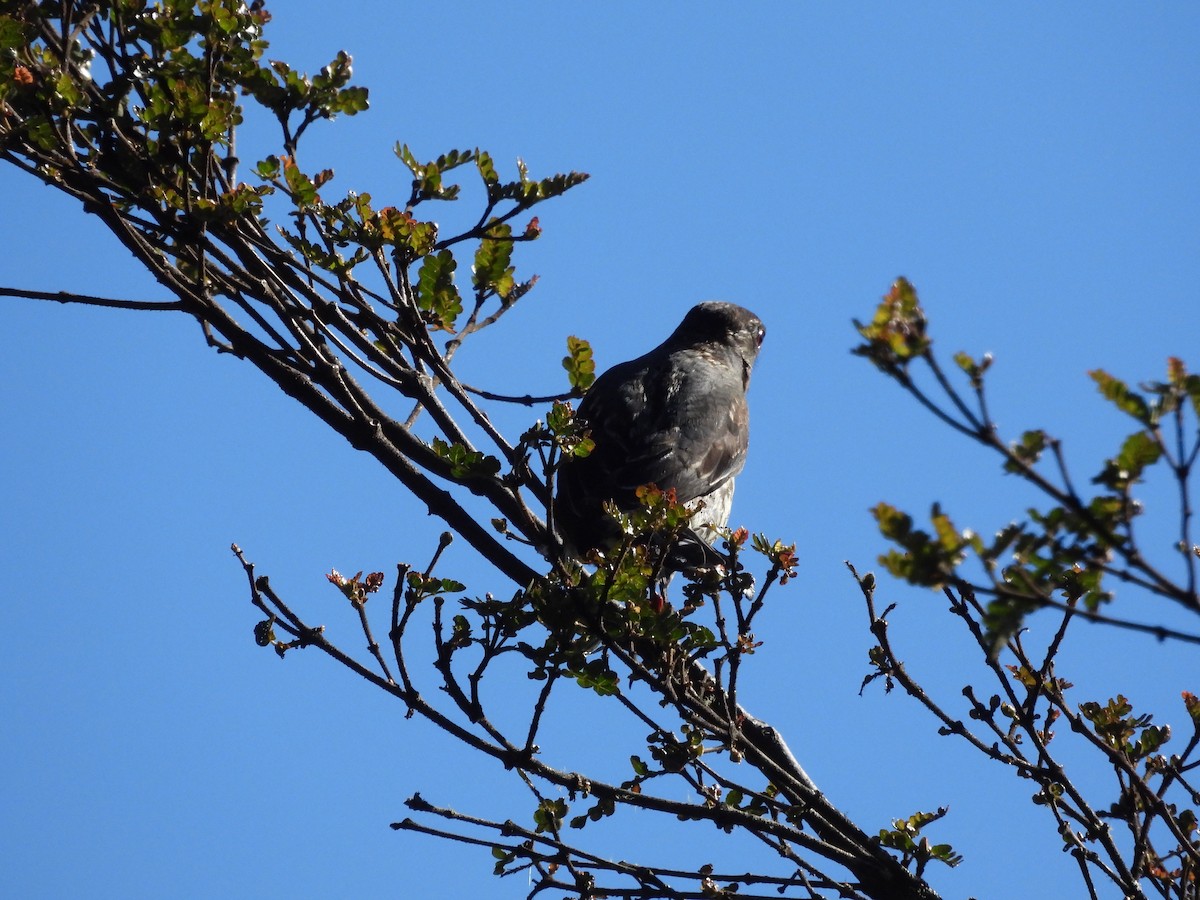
point(759, 334)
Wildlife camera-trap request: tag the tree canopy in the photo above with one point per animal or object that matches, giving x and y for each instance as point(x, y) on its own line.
point(357, 307)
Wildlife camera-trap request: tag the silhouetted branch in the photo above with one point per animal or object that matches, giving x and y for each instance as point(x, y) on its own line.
point(89, 300)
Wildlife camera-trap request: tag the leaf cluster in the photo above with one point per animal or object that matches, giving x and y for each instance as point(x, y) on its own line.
point(1071, 550)
point(610, 633)
point(1062, 559)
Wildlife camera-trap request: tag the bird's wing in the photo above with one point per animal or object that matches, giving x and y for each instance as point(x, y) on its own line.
point(681, 423)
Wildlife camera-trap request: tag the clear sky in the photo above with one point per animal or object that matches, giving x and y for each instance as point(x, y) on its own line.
point(1032, 171)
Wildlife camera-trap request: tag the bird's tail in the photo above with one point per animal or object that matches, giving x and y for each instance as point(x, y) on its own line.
point(692, 551)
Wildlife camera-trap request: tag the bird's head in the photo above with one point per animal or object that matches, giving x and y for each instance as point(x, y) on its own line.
point(727, 324)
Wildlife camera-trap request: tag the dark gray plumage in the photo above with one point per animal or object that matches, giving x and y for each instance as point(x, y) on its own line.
point(675, 417)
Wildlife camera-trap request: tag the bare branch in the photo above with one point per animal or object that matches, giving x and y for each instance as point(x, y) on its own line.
point(89, 300)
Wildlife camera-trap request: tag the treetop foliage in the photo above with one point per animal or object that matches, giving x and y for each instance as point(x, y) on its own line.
point(356, 307)
point(1071, 552)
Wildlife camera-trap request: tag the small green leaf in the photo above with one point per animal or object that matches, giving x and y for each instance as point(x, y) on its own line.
point(570, 434)
point(66, 88)
point(399, 228)
point(597, 675)
point(893, 523)
point(487, 168)
point(452, 159)
point(1120, 395)
point(1028, 450)
point(464, 462)
point(947, 536)
point(12, 35)
point(304, 192)
point(1139, 451)
point(927, 560)
point(549, 815)
point(406, 156)
point(1191, 386)
point(896, 334)
point(437, 295)
point(581, 368)
point(492, 272)
point(974, 370)
point(351, 100)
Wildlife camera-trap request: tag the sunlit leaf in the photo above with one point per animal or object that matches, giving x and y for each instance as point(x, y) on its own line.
point(437, 295)
point(1121, 396)
point(581, 368)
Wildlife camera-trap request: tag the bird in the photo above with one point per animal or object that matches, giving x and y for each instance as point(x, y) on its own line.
point(675, 417)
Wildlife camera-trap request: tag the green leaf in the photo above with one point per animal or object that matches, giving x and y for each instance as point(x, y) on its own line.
point(1138, 451)
point(492, 272)
point(399, 228)
point(1004, 616)
point(549, 815)
point(351, 100)
point(896, 333)
point(406, 156)
point(429, 585)
point(947, 536)
point(12, 35)
point(1116, 724)
point(903, 833)
point(66, 88)
point(927, 560)
point(452, 159)
point(326, 95)
point(581, 368)
point(571, 434)
point(304, 192)
point(427, 177)
point(1151, 739)
point(561, 418)
point(1120, 395)
point(1191, 386)
point(596, 674)
point(269, 167)
point(319, 256)
point(437, 295)
point(526, 192)
point(893, 523)
point(487, 169)
point(464, 462)
point(945, 853)
point(556, 185)
point(1028, 450)
point(974, 370)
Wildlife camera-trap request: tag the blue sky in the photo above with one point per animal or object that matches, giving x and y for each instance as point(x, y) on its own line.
point(1033, 172)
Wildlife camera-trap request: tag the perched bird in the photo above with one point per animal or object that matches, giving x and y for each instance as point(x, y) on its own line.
point(676, 418)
